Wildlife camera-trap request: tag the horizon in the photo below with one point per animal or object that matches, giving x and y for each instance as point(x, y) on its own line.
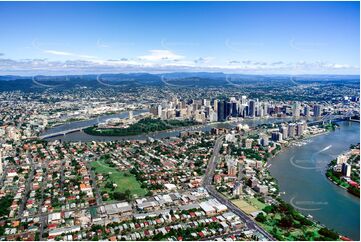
point(250, 38)
point(190, 72)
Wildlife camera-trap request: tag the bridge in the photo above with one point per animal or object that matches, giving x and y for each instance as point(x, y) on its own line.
point(63, 132)
point(328, 118)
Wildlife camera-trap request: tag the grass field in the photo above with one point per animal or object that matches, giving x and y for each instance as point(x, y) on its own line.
point(245, 206)
point(256, 203)
point(124, 180)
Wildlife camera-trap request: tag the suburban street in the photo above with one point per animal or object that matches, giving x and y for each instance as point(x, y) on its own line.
point(207, 183)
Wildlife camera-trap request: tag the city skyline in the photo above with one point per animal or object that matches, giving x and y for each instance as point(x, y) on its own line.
point(121, 37)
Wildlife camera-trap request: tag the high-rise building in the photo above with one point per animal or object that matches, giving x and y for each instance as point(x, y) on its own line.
point(252, 108)
point(237, 189)
point(228, 109)
point(306, 111)
point(276, 136)
point(159, 111)
point(213, 117)
point(316, 110)
point(244, 100)
point(299, 130)
point(341, 159)
point(231, 166)
point(291, 130)
point(215, 105)
point(264, 139)
point(346, 169)
point(234, 110)
point(221, 111)
point(284, 131)
point(296, 110)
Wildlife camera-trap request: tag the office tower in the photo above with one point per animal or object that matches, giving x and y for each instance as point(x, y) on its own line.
point(244, 100)
point(296, 110)
point(215, 105)
point(316, 110)
point(232, 99)
point(307, 111)
point(228, 109)
point(213, 117)
point(252, 108)
point(234, 110)
point(206, 102)
point(221, 111)
point(245, 111)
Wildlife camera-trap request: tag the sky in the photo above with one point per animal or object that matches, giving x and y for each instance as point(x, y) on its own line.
point(232, 37)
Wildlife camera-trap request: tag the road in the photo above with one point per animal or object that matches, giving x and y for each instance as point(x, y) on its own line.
point(207, 183)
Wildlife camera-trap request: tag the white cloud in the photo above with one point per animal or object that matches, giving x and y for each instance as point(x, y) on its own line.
point(63, 53)
point(161, 55)
point(83, 66)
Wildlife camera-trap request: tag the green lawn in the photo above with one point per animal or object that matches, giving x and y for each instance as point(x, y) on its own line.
point(124, 180)
point(258, 204)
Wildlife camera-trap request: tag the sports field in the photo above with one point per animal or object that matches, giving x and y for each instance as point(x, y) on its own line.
point(124, 180)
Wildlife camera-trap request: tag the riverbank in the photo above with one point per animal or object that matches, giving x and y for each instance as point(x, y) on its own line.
point(284, 221)
point(297, 169)
point(338, 170)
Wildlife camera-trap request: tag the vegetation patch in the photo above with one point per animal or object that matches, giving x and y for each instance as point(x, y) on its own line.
point(286, 223)
point(146, 125)
point(119, 185)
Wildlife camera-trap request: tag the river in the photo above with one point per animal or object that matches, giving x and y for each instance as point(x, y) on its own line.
point(300, 171)
point(81, 136)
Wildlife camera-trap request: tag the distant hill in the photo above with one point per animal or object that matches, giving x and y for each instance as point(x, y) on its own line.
point(176, 79)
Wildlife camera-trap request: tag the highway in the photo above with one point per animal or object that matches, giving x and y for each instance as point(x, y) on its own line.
point(207, 183)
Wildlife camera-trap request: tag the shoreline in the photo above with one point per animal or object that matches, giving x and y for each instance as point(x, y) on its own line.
point(285, 148)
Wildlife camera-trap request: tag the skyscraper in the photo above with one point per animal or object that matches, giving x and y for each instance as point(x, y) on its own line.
point(317, 110)
point(306, 111)
point(221, 111)
point(292, 130)
point(299, 129)
point(252, 108)
point(296, 110)
point(276, 136)
point(284, 131)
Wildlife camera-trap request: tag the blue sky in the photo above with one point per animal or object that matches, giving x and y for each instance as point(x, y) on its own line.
point(233, 37)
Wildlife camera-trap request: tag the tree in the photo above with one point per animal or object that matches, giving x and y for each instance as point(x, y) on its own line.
point(119, 196)
point(328, 233)
point(261, 218)
point(285, 222)
point(269, 209)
